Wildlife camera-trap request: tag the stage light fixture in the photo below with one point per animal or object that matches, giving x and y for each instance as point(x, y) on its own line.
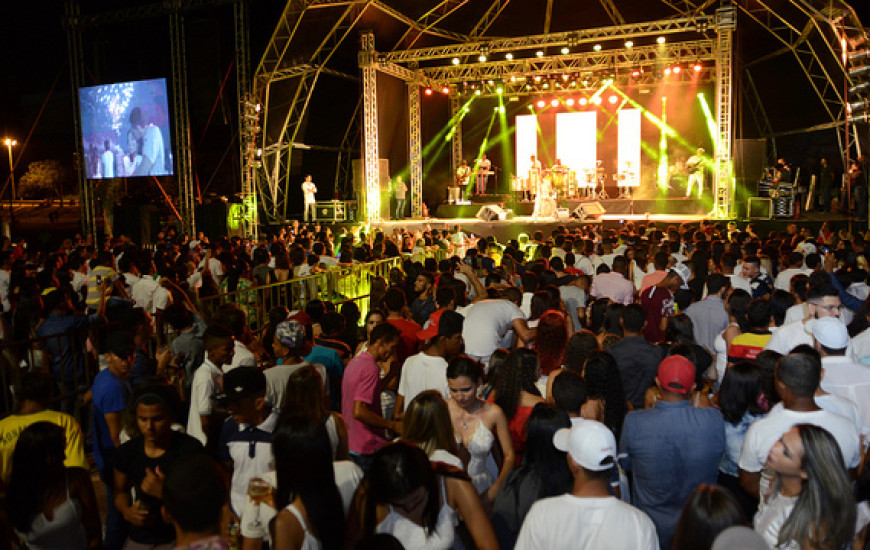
point(482, 58)
point(499, 90)
point(582, 101)
point(660, 39)
point(566, 50)
point(565, 77)
point(528, 86)
point(676, 69)
point(635, 73)
point(858, 56)
point(509, 56)
point(476, 92)
point(490, 82)
point(456, 61)
point(539, 53)
point(541, 104)
point(554, 102)
point(596, 99)
point(629, 44)
point(513, 78)
point(667, 70)
point(597, 47)
point(445, 90)
point(859, 89)
point(501, 109)
point(697, 67)
point(546, 85)
point(858, 106)
point(538, 78)
point(569, 102)
point(613, 99)
point(428, 91)
point(859, 72)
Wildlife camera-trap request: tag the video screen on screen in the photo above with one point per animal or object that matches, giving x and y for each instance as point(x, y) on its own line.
point(125, 129)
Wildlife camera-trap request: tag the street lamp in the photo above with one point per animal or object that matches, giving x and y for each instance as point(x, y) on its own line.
point(10, 143)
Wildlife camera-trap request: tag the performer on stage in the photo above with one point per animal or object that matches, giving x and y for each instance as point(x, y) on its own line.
point(535, 176)
point(695, 167)
point(559, 174)
point(545, 201)
point(308, 190)
point(463, 174)
point(484, 166)
point(400, 190)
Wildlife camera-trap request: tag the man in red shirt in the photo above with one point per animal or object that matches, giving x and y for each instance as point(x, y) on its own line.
point(394, 301)
point(658, 302)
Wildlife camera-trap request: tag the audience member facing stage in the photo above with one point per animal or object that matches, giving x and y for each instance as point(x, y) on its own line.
point(194, 494)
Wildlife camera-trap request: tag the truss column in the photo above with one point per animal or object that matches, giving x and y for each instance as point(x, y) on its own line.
point(456, 139)
point(87, 207)
point(723, 185)
point(415, 150)
point(183, 162)
point(370, 128)
point(247, 131)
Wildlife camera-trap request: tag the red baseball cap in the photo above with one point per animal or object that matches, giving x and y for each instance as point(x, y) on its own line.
point(676, 374)
point(432, 330)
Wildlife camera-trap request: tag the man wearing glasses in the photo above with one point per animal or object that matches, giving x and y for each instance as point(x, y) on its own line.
point(823, 300)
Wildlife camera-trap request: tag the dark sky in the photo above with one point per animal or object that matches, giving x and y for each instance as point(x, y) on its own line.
point(35, 71)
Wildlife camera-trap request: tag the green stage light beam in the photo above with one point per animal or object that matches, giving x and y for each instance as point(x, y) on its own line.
point(663, 147)
point(711, 122)
point(504, 137)
point(483, 147)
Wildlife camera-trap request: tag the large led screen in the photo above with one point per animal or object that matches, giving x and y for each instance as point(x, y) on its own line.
point(125, 129)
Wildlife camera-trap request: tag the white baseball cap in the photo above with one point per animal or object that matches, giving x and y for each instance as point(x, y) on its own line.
point(685, 274)
point(589, 443)
point(829, 332)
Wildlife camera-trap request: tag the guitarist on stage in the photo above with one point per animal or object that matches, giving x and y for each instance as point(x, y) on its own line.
point(463, 174)
point(695, 167)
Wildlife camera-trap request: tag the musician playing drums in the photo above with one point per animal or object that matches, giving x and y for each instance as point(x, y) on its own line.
point(484, 167)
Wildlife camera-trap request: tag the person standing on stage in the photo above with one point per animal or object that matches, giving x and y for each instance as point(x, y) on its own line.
point(308, 190)
point(484, 166)
point(695, 166)
point(153, 154)
point(535, 172)
point(400, 190)
point(560, 173)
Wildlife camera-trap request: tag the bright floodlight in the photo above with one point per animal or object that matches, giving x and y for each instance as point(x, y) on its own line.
point(476, 92)
point(569, 102)
point(583, 101)
point(501, 108)
point(697, 67)
point(613, 99)
point(677, 69)
point(539, 53)
point(660, 39)
point(456, 61)
point(9, 142)
point(629, 43)
point(667, 70)
point(538, 78)
point(508, 56)
point(541, 104)
point(554, 102)
point(596, 99)
point(428, 91)
point(597, 47)
point(445, 90)
point(565, 50)
point(499, 90)
point(482, 58)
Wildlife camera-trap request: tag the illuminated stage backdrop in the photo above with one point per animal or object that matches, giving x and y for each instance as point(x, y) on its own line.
point(576, 141)
point(527, 142)
point(629, 143)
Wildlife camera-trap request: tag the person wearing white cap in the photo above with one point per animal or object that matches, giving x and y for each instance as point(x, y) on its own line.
point(588, 517)
point(841, 376)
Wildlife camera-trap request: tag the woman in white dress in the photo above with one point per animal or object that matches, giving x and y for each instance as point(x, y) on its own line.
point(427, 425)
point(477, 425)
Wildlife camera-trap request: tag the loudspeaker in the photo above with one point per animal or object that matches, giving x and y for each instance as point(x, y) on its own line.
point(490, 212)
point(759, 208)
point(588, 210)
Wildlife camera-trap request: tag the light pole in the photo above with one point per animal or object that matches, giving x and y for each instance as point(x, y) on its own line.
point(10, 143)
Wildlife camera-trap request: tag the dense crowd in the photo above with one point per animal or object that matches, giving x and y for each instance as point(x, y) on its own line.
point(686, 387)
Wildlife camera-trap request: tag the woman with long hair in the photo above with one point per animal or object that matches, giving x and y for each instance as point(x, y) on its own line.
point(311, 515)
point(48, 504)
point(605, 399)
point(681, 332)
point(735, 305)
point(544, 473)
point(305, 392)
point(580, 345)
point(550, 344)
point(373, 318)
point(710, 510)
point(595, 314)
point(517, 393)
point(739, 399)
point(427, 425)
point(611, 322)
point(417, 502)
point(810, 504)
point(478, 425)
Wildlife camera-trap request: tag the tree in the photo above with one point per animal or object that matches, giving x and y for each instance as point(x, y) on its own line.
point(44, 178)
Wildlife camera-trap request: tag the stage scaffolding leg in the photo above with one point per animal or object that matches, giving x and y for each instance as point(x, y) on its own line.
point(456, 140)
point(183, 162)
point(247, 125)
point(726, 22)
point(87, 208)
point(370, 126)
point(415, 150)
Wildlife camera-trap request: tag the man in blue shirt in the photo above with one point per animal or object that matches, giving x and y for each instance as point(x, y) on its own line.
point(110, 393)
point(671, 448)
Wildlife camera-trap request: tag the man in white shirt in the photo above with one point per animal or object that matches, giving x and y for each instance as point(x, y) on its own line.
point(795, 267)
point(842, 376)
point(427, 369)
point(308, 191)
point(823, 300)
point(797, 378)
point(153, 153)
point(207, 382)
point(107, 161)
point(147, 292)
point(589, 517)
point(614, 284)
point(487, 323)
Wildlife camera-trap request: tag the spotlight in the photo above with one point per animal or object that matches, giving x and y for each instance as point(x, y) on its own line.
point(428, 91)
point(597, 47)
point(569, 102)
point(445, 90)
point(676, 69)
point(565, 77)
point(613, 99)
point(456, 61)
point(539, 53)
point(501, 109)
point(667, 70)
point(513, 78)
point(635, 73)
point(629, 43)
point(697, 67)
point(509, 56)
point(541, 104)
point(528, 86)
point(538, 78)
point(546, 85)
point(531, 108)
point(499, 90)
point(565, 50)
point(582, 101)
point(554, 102)
point(476, 92)
point(596, 99)
point(482, 58)
point(660, 39)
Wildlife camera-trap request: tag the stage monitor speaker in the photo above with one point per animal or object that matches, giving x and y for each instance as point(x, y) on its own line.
point(592, 210)
point(759, 208)
point(491, 212)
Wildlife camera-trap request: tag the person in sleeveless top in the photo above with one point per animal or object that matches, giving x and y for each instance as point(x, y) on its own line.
point(50, 506)
point(427, 425)
point(305, 391)
point(417, 502)
point(311, 515)
point(478, 425)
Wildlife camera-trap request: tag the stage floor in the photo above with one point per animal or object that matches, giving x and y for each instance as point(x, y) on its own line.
point(675, 208)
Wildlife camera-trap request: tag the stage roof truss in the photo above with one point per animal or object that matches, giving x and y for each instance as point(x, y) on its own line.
point(488, 18)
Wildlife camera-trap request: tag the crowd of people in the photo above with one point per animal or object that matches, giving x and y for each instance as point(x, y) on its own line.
point(687, 387)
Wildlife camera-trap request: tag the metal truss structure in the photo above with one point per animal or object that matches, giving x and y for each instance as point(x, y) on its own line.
point(76, 24)
point(723, 177)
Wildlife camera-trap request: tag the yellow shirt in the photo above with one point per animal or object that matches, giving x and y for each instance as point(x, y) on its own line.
point(12, 426)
